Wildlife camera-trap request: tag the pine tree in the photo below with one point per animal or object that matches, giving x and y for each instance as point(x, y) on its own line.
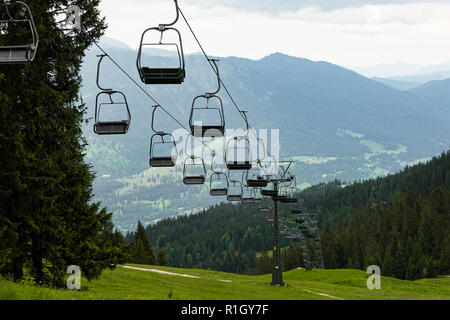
point(329, 248)
point(162, 258)
point(45, 185)
point(136, 254)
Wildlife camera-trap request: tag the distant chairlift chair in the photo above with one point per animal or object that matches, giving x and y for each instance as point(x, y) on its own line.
point(102, 127)
point(238, 154)
point(255, 177)
point(201, 128)
point(218, 181)
point(235, 192)
point(163, 152)
point(194, 170)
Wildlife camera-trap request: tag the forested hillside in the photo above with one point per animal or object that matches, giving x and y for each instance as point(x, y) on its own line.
point(227, 237)
point(408, 237)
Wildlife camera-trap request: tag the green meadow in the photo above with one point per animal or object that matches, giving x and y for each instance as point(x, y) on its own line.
point(131, 284)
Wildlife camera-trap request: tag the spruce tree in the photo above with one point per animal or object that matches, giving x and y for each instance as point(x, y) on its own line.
point(162, 258)
point(136, 253)
point(45, 184)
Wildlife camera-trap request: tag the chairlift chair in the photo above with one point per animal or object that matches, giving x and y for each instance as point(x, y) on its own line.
point(19, 52)
point(195, 178)
point(235, 191)
point(296, 211)
point(255, 178)
point(102, 127)
point(199, 128)
point(218, 181)
point(164, 160)
point(265, 209)
point(150, 75)
point(248, 195)
point(163, 152)
point(221, 178)
point(269, 192)
point(289, 191)
point(238, 162)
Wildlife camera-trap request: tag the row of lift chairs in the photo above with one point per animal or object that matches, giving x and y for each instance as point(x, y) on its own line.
point(163, 149)
point(19, 42)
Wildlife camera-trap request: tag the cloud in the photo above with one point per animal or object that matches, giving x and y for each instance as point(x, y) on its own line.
point(368, 34)
point(286, 6)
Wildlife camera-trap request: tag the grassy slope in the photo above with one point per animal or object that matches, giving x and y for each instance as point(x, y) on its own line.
point(134, 284)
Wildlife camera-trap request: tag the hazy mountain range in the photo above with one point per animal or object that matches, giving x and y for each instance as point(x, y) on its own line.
point(334, 122)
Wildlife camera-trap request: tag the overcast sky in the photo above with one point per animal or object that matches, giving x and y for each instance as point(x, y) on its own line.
point(345, 32)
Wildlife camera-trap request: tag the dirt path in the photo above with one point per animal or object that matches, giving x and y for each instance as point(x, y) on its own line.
point(160, 271)
point(323, 294)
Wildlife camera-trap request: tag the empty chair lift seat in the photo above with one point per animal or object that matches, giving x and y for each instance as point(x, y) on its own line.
point(258, 182)
point(218, 192)
point(208, 131)
point(194, 180)
point(235, 197)
point(112, 127)
point(162, 75)
point(17, 54)
point(162, 162)
point(269, 193)
point(235, 165)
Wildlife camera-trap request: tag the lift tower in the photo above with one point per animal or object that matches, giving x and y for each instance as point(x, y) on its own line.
point(277, 272)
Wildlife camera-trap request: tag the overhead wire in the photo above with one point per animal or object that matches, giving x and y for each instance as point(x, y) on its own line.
point(241, 112)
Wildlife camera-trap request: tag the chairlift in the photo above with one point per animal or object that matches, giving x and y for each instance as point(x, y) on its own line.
point(238, 156)
point(163, 152)
point(235, 191)
point(289, 191)
point(248, 195)
point(288, 197)
point(198, 113)
point(20, 51)
point(269, 192)
point(218, 181)
point(265, 209)
point(255, 178)
point(296, 211)
point(269, 167)
point(150, 75)
point(194, 171)
point(114, 99)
